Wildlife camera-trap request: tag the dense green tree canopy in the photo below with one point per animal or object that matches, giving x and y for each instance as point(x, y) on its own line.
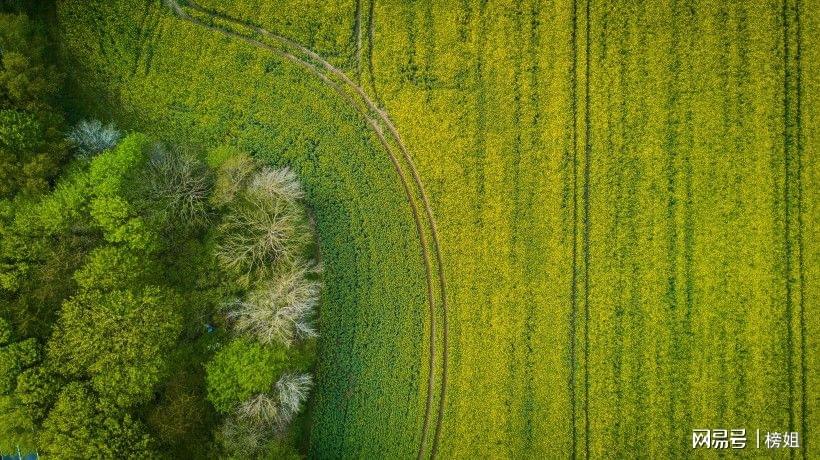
point(42, 242)
point(81, 425)
point(37, 387)
point(14, 356)
point(108, 274)
point(27, 80)
point(118, 339)
point(18, 361)
point(31, 142)
point(240, 370)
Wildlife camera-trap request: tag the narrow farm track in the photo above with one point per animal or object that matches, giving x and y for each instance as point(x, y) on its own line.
point(379, 122)
point(586, 216)
point(804, 405)
point(579, 302)
point(371, 32)
point(357, 39)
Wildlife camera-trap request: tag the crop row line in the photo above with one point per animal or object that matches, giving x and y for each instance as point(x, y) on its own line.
point(800, 225)
point(792, 153)
point(371, 33)
point(580, 215)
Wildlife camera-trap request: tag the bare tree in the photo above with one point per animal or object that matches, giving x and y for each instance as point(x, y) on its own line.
point(260, 232)
point(233, 177)
point(291, 392)
point(264, 226)
point(282, 311)
point(277, 183)
point(261, 409)
point(179, 184)
point(91, 137)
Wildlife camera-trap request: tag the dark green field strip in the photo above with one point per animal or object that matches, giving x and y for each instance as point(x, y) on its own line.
point(795, 15)
point(382, 127)
point(803, 327)
point(313, 63)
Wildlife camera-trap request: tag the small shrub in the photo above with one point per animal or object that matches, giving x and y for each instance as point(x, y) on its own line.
point(92, 137)
point(233, 175)
point(241, 369)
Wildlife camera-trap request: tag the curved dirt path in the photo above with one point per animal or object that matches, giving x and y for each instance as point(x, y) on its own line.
point(377, 120)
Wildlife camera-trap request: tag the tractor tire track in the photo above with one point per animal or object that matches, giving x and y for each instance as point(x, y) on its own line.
point(357, 40)
point(587, 158)
point(574, 282)
point(371, 33)
point(380, 117)
point(787, 186)
point(804, 423)
point(793, 214)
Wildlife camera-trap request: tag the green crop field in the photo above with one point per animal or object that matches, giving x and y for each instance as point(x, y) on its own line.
point(549, 228)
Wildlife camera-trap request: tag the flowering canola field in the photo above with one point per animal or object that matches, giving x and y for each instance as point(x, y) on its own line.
point(625, 196)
